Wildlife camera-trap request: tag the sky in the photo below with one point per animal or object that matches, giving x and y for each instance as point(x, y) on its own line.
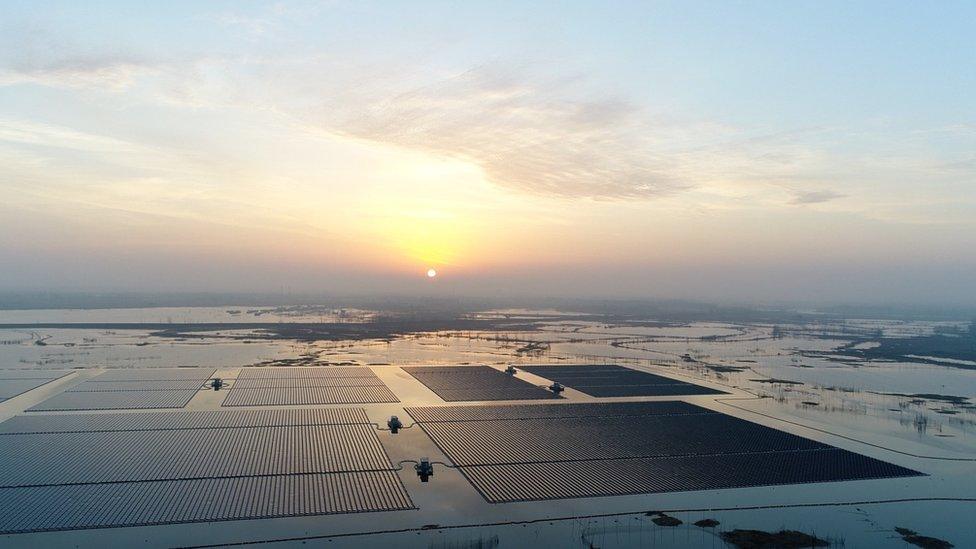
point(718, 151)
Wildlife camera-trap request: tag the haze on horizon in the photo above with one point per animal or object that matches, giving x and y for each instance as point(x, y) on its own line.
point(734, 151)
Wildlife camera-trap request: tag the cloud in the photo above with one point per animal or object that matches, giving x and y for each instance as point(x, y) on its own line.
point(26, 132)
point(266, 19)
point(42, 60)
point(527, 128)
point(114, 72)
point(526, 135)
point(254, 25)
point(814, 197)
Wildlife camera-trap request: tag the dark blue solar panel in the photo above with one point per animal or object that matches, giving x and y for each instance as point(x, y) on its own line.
point(617, 381)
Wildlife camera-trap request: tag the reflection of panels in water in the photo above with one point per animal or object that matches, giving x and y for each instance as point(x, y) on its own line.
point(115, 400)
point(157, 421)
point(154, 374)
point(428, 414)
point(575, 479)
point(510, 453)
point(107, 470)
point(116, 456)
point(309, 395)
point(179, 501)
point(470, 383)
point(303, 386)
point(616, 381)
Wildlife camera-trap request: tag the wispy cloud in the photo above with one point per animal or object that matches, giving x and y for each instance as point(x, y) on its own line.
point(36, 55)
point(267, 19)
point(112, 72)
point(26, 132)
point(814, 197)
point(524, 134)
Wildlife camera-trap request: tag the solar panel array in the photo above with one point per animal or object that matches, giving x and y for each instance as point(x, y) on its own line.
point(617, 381)
point(559, 480)
point(17, 382)
point(562, 409)
point(131, 389)
point(585, 450)
point(168, 502)
point(108, 470)
point(305, 386)
point(460, 383)
point(154, 374)
point(160, 421)
point(66, 458)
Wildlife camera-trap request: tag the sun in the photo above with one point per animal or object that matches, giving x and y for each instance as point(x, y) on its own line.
point(431, 273)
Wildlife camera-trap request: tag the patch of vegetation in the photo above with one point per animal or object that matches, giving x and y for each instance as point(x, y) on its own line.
point(925, 542)
point(723, 369)
point(784, 539)
point(777, 381)
point(946, 343)
point(662, 519)
point(921, 398)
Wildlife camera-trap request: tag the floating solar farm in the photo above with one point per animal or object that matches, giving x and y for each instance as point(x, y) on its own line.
point(292, 442)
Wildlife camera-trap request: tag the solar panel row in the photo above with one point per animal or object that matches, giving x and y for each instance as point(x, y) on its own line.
point(157, 421)
point(541, 440)
point(18, 382)
point(118, 400)
point(305, 386)
point(323, 372)
point(131, 389)
point(616, 381)
point(471, 383)
point(289, 383)
point(32, 374)
point(154, 374)
point(308, 395)
point(95, 386)
point(428, 414)
point(116, 456)
point(179, 501)
point(574, 479)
